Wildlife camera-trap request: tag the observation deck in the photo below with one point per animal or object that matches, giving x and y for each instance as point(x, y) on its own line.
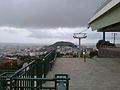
point(51, 73)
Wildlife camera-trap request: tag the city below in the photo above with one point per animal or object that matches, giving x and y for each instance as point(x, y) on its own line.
point(13, 56)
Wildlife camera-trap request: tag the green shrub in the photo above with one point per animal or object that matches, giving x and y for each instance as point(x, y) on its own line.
point(93, 53)
point(102, 43)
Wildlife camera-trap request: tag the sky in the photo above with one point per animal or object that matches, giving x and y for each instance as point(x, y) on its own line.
point(48, 21)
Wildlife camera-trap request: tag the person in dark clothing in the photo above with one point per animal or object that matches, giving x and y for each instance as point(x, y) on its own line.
point(84, 55)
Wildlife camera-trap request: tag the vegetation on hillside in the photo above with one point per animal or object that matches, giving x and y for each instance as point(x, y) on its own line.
point(62, 43)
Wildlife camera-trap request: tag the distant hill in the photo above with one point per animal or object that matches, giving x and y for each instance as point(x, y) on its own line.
point(62, 43)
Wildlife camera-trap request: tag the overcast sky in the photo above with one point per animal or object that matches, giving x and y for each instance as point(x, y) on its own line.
point(47, 21)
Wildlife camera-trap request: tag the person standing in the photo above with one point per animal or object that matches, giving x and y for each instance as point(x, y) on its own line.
point(84, 55)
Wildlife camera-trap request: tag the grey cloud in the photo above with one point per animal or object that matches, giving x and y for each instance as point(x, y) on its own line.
point(55, 34)
point(47, 13)
point(94, 35)
point(49, 34)
point(10, 31)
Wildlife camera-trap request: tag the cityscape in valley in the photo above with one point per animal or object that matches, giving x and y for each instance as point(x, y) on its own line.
point(17, 55)
point(13, 56)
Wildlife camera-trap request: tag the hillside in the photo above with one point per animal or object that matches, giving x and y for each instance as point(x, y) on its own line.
point(62, 43)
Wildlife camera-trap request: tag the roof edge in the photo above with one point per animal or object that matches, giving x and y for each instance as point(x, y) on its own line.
point(110, 5)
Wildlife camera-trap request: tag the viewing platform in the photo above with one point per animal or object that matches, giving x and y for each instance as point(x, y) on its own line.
point(95, 74)
point(51, 73)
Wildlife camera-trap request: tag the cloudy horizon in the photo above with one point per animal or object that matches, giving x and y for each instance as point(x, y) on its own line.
point(46, 21)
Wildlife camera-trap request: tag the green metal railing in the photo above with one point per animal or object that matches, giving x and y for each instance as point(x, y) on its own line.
point(33, 76)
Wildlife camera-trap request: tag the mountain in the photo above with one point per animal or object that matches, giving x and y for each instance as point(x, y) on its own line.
point(62, 43)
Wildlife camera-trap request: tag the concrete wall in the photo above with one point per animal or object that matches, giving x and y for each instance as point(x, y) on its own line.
point(109, 53)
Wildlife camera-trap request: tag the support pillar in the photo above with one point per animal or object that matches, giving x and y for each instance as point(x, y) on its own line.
point(104, 36)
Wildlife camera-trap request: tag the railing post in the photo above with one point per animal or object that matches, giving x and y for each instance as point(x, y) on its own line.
point(32, 76)
point(2, 84)
point(44, 68)
point(39, 73)
point(67, 85)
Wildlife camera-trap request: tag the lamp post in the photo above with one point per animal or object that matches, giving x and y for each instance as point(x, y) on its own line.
point(79, 36)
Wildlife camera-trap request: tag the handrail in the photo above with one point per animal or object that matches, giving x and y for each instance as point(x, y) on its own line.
point(22, 68)
point(58, 79)
point(48, 54)
point(18, 71)
point(35, 76)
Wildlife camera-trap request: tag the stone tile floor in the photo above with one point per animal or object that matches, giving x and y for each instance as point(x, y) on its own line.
point(95, 74)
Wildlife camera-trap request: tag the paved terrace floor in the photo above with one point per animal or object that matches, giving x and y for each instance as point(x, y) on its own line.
point(95, 74)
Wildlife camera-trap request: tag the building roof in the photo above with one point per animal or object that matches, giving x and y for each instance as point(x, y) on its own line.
point(107, 19)
point(106, 8)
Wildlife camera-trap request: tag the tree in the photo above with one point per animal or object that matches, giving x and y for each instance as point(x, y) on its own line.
point(102, 43)
point(93, 53)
